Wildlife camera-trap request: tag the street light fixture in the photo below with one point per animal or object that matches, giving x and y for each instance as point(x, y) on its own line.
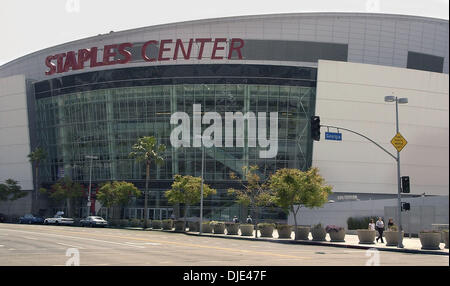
point(90, 180)
point(403, 100)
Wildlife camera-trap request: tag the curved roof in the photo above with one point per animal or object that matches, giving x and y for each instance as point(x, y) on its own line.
point(232, 21)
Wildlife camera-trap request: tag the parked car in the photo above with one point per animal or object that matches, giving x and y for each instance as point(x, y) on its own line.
point(58, 219)
point(30, 219)
point(93, 221)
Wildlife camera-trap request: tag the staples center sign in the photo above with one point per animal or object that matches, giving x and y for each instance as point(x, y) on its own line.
point(167, 50)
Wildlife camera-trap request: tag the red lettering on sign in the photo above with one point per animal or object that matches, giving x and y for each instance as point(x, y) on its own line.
point(71, 62)
point(108, 52)
point(94, 62)
point(125, 53)
point(162, 49)
point(178, 45)
point(60, 62)
point(144, 51)
point(202, 42)
point(238, 48)
point(83, 56)
point(120, 53)
point(216, 48)
point(50, 65)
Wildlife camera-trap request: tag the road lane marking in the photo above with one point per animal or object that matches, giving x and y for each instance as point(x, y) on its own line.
point(190, 245)
point(83, 238)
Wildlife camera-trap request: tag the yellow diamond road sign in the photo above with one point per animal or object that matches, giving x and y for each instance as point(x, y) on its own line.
point(399, 142)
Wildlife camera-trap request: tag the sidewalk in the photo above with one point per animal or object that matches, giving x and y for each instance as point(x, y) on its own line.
point(411, 245)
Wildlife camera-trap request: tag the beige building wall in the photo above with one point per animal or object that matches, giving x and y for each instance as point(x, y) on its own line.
point(351, 95)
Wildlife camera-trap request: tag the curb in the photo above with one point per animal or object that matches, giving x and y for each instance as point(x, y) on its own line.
point(327, 244)
point(302, 242)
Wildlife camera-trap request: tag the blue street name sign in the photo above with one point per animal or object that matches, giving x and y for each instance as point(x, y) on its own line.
point(333, 136)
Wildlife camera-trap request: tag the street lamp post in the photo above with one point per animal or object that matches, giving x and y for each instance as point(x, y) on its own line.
point(90, 181)
point(399, 195)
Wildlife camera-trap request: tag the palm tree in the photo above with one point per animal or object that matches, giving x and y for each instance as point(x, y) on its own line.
point(146, 150)
point(36, 157)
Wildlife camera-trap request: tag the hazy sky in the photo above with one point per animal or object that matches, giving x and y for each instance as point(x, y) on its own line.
point(31, 25)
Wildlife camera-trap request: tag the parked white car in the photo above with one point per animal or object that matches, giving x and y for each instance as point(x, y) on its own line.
point(93, 221)
point(58, 219)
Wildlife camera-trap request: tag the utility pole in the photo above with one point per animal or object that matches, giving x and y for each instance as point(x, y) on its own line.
point(90, 183)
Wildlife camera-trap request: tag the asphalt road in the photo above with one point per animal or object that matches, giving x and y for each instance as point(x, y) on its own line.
point(43, 245)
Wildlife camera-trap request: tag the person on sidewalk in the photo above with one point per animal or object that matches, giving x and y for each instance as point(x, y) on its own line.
point(380, 229)
point(235, 219)
point(371, 225)
point(390, 223)
point(249, 220)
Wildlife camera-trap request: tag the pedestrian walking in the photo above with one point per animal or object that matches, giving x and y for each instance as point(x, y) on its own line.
point(235, 219)
point(371, 225)
point(249, 220)
point(380, 228)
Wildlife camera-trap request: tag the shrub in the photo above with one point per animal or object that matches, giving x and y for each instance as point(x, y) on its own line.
point(317, 226)
point(430, 231)
point(134, 222)
point(333, 228)
point(355, 223)
point(265, 224)
point(167, 224)
point(156, 224)
point(283, 226)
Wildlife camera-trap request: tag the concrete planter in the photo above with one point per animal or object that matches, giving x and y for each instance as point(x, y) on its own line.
point(194, 226)
point(337, 236)
point(246, 229)
point(430, 240)
point(445, 234)
point(219, 228)
point(266, 230)
point(284, 231)
point(302, 233)
point(180, 225)
point(206, 227)
point(156, 224)
point(232, 228)
point(318, 233)
point(392, 237)
point(366, 236)
point(167, 224)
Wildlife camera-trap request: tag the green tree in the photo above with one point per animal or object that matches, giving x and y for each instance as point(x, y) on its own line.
point(254, 192)
point(147, 150)
point(36, 157)
point(294, 188)
point(187, 190)
point(65, 190)
point(11, 191)
point(117, 194)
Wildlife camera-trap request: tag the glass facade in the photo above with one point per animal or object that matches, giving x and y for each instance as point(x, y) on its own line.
point(106, 122)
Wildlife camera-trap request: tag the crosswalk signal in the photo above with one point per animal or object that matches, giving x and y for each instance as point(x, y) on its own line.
point(315, 128)
point(405, 184)
point(406, 206)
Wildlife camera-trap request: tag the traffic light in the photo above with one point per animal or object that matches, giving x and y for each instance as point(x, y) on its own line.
point(405, 184)
point(315, 128)
point(406, 206)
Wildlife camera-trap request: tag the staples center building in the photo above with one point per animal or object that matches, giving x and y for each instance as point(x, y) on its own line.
point(97, 95)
